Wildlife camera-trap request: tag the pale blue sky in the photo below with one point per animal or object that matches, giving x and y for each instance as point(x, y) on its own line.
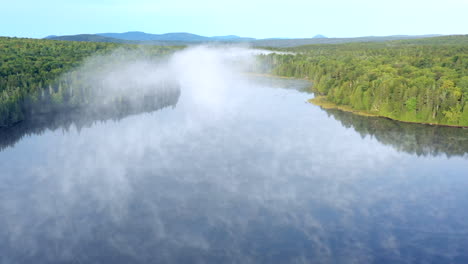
point(248, 18)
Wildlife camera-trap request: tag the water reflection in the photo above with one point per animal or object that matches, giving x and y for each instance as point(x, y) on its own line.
point(86, 117)
point(422, 140)
point(267, 179)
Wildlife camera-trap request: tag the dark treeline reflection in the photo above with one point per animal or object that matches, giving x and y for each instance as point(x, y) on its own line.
point(411, 138)
point(86, 116)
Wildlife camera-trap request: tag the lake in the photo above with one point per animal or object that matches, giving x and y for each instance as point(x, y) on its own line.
point(250, 173)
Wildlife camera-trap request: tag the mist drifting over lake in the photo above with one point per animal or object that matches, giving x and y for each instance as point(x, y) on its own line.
point(237, 169)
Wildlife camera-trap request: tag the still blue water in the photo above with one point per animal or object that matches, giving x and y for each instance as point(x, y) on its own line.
point(254, 175)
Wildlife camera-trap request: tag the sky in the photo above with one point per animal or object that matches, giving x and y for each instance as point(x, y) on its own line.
point(247, 18)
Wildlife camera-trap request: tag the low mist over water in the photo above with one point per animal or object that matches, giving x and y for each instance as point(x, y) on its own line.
point(230, 168)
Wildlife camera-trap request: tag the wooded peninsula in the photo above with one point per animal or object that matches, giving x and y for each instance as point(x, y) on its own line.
point(422, 81)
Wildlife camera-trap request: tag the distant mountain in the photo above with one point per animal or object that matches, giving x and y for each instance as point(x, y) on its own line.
point(232, 38)
point(179, 36)
point(319, 36)
point(142, 36)
point(98, 38)
point(87, 37)
point(182, 38)
point(228, 37)
point(287, 43)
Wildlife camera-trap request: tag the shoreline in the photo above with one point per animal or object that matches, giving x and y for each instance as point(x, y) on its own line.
point(322, 102)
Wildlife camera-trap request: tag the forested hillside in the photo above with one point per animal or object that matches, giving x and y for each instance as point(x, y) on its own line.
point(411, 80)
point(39, 76)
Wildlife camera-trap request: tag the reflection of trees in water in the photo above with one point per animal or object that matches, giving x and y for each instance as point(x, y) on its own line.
point(168, 201)
point(87, 116)
point(411, 138)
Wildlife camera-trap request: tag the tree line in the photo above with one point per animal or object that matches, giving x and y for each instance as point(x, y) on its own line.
point(43, 76)
point(424, 81)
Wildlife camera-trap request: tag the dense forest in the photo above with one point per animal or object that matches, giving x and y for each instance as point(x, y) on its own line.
point(419, 80)
point(43, 76)
point(424, 80)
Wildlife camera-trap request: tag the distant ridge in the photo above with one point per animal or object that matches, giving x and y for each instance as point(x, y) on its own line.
point(177, 36)
point(319, 36)
point(183, 38)
point(232, 37)
point(87, 37)
point(288, 43)
point(142, 36)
